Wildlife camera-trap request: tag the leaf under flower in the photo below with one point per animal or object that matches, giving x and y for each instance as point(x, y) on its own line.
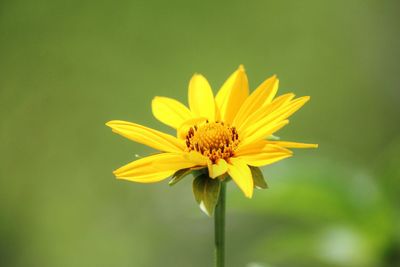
point(180, 174)
point(206, 192)
point(258, 178)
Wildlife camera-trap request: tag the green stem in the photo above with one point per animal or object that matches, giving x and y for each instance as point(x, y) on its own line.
point(219, 227)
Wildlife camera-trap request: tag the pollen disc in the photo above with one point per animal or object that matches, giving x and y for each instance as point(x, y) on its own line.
point(214, 140)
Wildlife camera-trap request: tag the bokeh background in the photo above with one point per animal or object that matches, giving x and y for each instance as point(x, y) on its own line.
point(67, 67)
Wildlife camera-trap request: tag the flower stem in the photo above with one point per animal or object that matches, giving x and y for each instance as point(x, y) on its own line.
point(219, 227)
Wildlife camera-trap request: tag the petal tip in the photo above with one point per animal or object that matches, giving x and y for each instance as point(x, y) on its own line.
point(249, 194)
point(285, 122)
point(197, 75)
point(154, 104)
point(109, 123)
point(155, 98)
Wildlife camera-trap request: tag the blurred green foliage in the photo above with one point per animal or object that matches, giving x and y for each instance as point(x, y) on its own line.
point(67, 67)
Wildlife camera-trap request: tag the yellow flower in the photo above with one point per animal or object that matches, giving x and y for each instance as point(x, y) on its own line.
point(226, 133)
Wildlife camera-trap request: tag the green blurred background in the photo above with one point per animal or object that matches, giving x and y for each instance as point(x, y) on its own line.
point(67, 67)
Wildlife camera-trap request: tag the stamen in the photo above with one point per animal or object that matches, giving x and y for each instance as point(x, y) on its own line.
point(214, 140)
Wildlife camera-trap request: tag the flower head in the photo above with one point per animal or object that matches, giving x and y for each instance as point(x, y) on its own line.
point(226, 134)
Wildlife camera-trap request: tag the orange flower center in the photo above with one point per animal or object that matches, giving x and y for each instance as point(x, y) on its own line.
point(214, 140)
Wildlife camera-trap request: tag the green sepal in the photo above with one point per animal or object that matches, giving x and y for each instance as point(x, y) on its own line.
point(206, 192)
point(273, 138)
point(179, 175)
point(258, 178)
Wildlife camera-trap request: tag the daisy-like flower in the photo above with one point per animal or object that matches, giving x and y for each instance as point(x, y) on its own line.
point(226, 134)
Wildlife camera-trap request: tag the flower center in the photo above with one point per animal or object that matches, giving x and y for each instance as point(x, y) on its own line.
point(214, 140)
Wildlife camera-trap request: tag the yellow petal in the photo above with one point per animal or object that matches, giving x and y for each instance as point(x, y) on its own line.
point(215, 170)
point(153, 168)
point(262, 153)
point(232, 94)
point(261, 113)
point(147, 136)
point(261, 97)
point(170, 111)
point(261, 132)
point(293, 144)
point(201, 98)
point(272, 122)
point(284, 112)
point(262, 146)
point(197, 158)
point(241, 175)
